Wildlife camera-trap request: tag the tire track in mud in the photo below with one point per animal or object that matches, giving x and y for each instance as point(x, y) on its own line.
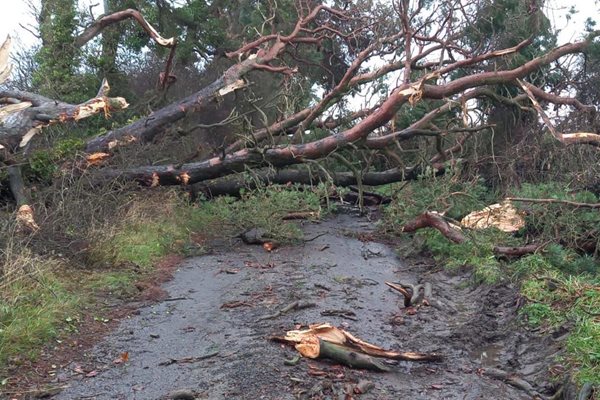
point(224, 353)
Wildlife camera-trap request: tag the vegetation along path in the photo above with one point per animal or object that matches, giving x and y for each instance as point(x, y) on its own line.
point(211, 337)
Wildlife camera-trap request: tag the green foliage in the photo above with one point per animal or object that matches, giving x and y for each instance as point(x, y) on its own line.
point(262, 208)
point(117, 283)
point(144, 241)
point(559, 284)
point(583, 346)
point(455, 199)
point(476, 253)
point(561, 223)
point(58, 60)
point(43, 164)
point(446, 194)
point(151, 232)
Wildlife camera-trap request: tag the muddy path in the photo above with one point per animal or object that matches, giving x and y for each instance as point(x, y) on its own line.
point(211, 338)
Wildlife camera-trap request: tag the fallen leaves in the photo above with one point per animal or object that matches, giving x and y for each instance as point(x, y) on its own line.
point(122, 359)
point(235, 304)
point(257, 265)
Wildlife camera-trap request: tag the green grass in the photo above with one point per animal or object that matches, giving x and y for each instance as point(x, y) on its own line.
point(556, 299)
point(263, 208)
point(33, 306)
point(115, 283)
point(561, 285)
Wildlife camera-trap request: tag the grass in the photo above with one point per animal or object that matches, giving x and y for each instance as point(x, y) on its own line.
point(561, 285)
point(34, 303)
point(43, 296)
point(555, 299)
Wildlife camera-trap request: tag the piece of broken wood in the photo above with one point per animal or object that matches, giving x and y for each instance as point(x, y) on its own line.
point(414, 294)
point(346, 348)
point(347, 314)
point(349, 357)
point(302, 215)
point(434, 220)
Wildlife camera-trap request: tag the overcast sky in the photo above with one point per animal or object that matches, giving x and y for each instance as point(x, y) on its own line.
point(18, 13)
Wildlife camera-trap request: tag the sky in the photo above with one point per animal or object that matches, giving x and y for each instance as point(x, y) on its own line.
point(18, 13)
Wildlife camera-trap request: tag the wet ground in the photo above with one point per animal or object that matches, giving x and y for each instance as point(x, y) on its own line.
point(211, 336)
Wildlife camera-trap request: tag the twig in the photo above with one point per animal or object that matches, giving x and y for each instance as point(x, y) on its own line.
point(556, 201)
point(189, 359)
point(314, 237)
point(296, 305)
point(348, 314)
point(177, 298)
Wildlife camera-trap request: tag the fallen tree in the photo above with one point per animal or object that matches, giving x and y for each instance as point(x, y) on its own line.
point(367, 129)
point(439, 70)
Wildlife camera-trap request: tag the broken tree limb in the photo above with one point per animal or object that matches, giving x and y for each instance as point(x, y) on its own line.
point(407, 92)
point(106, 20)
point(415, 295)
point(349, 357)
point(306, 342)
point(204, 176)
point(407, 296)
point(25, 218)
point(566, 139)
point(27, 113)
point(17, 187)
point(302, 215)
point(517, 251)
point(145, 129)
point(431, 219)
point(188, 360)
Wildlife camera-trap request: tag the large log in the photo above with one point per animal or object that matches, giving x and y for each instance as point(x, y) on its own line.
point(231, 185)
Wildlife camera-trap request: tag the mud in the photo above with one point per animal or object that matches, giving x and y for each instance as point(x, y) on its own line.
point(210, 336)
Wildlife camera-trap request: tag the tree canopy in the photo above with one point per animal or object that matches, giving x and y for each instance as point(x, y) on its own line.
point(381, 91)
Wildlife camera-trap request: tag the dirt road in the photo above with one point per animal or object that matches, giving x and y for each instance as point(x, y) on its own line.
point(211, 336)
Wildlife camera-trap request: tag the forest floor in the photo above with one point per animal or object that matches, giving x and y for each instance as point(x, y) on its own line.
point(210, 337)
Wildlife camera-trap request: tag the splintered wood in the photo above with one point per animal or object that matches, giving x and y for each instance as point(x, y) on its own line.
point(327, 341)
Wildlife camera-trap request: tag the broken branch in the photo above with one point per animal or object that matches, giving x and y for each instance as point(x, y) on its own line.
point(431, 219)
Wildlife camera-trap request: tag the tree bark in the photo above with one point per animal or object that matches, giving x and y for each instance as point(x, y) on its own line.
point(433, 220)
point(27, 113)
point(17, 187)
